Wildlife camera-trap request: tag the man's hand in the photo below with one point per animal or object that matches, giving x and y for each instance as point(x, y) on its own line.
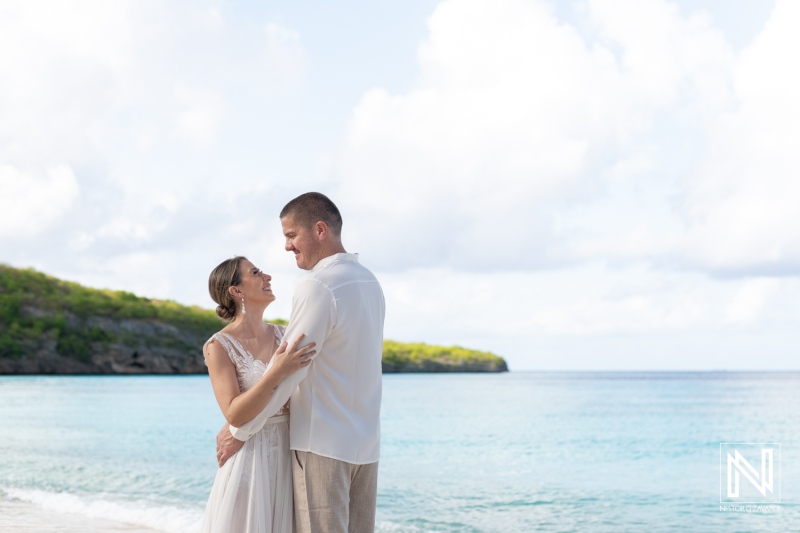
point(226, 445)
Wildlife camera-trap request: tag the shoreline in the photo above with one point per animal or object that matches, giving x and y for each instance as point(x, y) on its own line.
point(22, 516)
point(18, 516)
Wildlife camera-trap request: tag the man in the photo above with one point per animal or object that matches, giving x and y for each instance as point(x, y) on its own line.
point(335, 402)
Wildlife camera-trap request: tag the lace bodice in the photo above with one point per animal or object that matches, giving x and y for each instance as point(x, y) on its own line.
point(249, 369)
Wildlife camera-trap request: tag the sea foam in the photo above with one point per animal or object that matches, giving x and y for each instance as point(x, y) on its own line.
point(167, 518)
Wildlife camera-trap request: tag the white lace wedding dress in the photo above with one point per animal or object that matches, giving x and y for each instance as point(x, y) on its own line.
point(252, 492)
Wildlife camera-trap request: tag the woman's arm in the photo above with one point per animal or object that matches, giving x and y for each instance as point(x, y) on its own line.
point(239, 407)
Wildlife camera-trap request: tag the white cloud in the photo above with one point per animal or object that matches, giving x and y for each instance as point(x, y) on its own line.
point(531, 143)
point(202, 116)
point(567, 181)
point(284, 53)
point(750, 300)
point(664, 54)
point(596, 316)
point(518, 119)
point(57, 74)
point(742, 203)
point(30, 204)
point(149, 107)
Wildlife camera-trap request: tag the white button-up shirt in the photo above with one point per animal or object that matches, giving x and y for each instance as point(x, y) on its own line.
point(336, 401)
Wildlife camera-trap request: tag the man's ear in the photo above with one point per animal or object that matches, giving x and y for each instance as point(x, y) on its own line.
point(321, 230)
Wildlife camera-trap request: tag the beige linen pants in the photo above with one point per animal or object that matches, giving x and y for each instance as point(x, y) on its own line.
point(332, 496)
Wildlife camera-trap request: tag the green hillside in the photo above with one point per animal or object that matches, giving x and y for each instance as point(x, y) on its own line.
point(417, 357)
point(48, 325)
point(33, 304)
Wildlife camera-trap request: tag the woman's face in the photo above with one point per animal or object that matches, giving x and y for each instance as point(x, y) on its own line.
point(255, 286)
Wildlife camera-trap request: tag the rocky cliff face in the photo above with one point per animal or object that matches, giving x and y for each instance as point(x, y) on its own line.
point(444, 365)
point(126, 347)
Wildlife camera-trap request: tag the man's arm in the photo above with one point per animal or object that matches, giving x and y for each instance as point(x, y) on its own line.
point(313, 314)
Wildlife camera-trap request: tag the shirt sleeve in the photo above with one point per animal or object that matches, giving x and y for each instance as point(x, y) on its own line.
point(313, 313)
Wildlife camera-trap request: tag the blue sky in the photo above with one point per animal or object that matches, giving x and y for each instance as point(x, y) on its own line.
point(574, 185)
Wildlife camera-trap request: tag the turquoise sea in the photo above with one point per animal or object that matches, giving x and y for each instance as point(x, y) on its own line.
point(515, 452)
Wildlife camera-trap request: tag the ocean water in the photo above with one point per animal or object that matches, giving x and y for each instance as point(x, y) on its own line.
point(515, 452)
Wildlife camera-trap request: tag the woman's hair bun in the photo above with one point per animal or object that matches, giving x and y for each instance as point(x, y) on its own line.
point(226, 313)
point(223, 277)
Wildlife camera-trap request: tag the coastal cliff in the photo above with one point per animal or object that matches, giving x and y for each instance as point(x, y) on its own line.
point(51, 326)
point(407, 357)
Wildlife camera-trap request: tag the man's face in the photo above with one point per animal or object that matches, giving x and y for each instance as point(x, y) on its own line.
point(302, 242)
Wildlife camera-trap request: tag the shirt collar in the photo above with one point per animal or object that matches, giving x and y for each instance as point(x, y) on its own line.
point(335, 257)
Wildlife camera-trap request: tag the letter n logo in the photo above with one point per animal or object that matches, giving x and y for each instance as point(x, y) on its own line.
point(749, 472)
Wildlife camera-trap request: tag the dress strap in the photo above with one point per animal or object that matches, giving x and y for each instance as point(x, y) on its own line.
point(233, 348)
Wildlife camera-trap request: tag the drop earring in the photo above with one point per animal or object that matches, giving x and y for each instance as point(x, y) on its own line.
point(244, 312)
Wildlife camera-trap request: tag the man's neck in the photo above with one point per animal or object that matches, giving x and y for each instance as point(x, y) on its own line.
point(333, 249)
point(330, 251)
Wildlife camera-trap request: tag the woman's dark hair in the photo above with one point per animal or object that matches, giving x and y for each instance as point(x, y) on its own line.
point(225, 275)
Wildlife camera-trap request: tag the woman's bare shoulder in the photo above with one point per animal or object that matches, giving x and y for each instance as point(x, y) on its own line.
point(214, 350)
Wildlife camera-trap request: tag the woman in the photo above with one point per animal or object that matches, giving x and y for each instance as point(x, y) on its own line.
point(246, 361)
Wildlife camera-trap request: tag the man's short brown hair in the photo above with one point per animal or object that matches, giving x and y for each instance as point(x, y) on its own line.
point(312, 207)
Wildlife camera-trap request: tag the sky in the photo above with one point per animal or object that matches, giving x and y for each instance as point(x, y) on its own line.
point(574, 185)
